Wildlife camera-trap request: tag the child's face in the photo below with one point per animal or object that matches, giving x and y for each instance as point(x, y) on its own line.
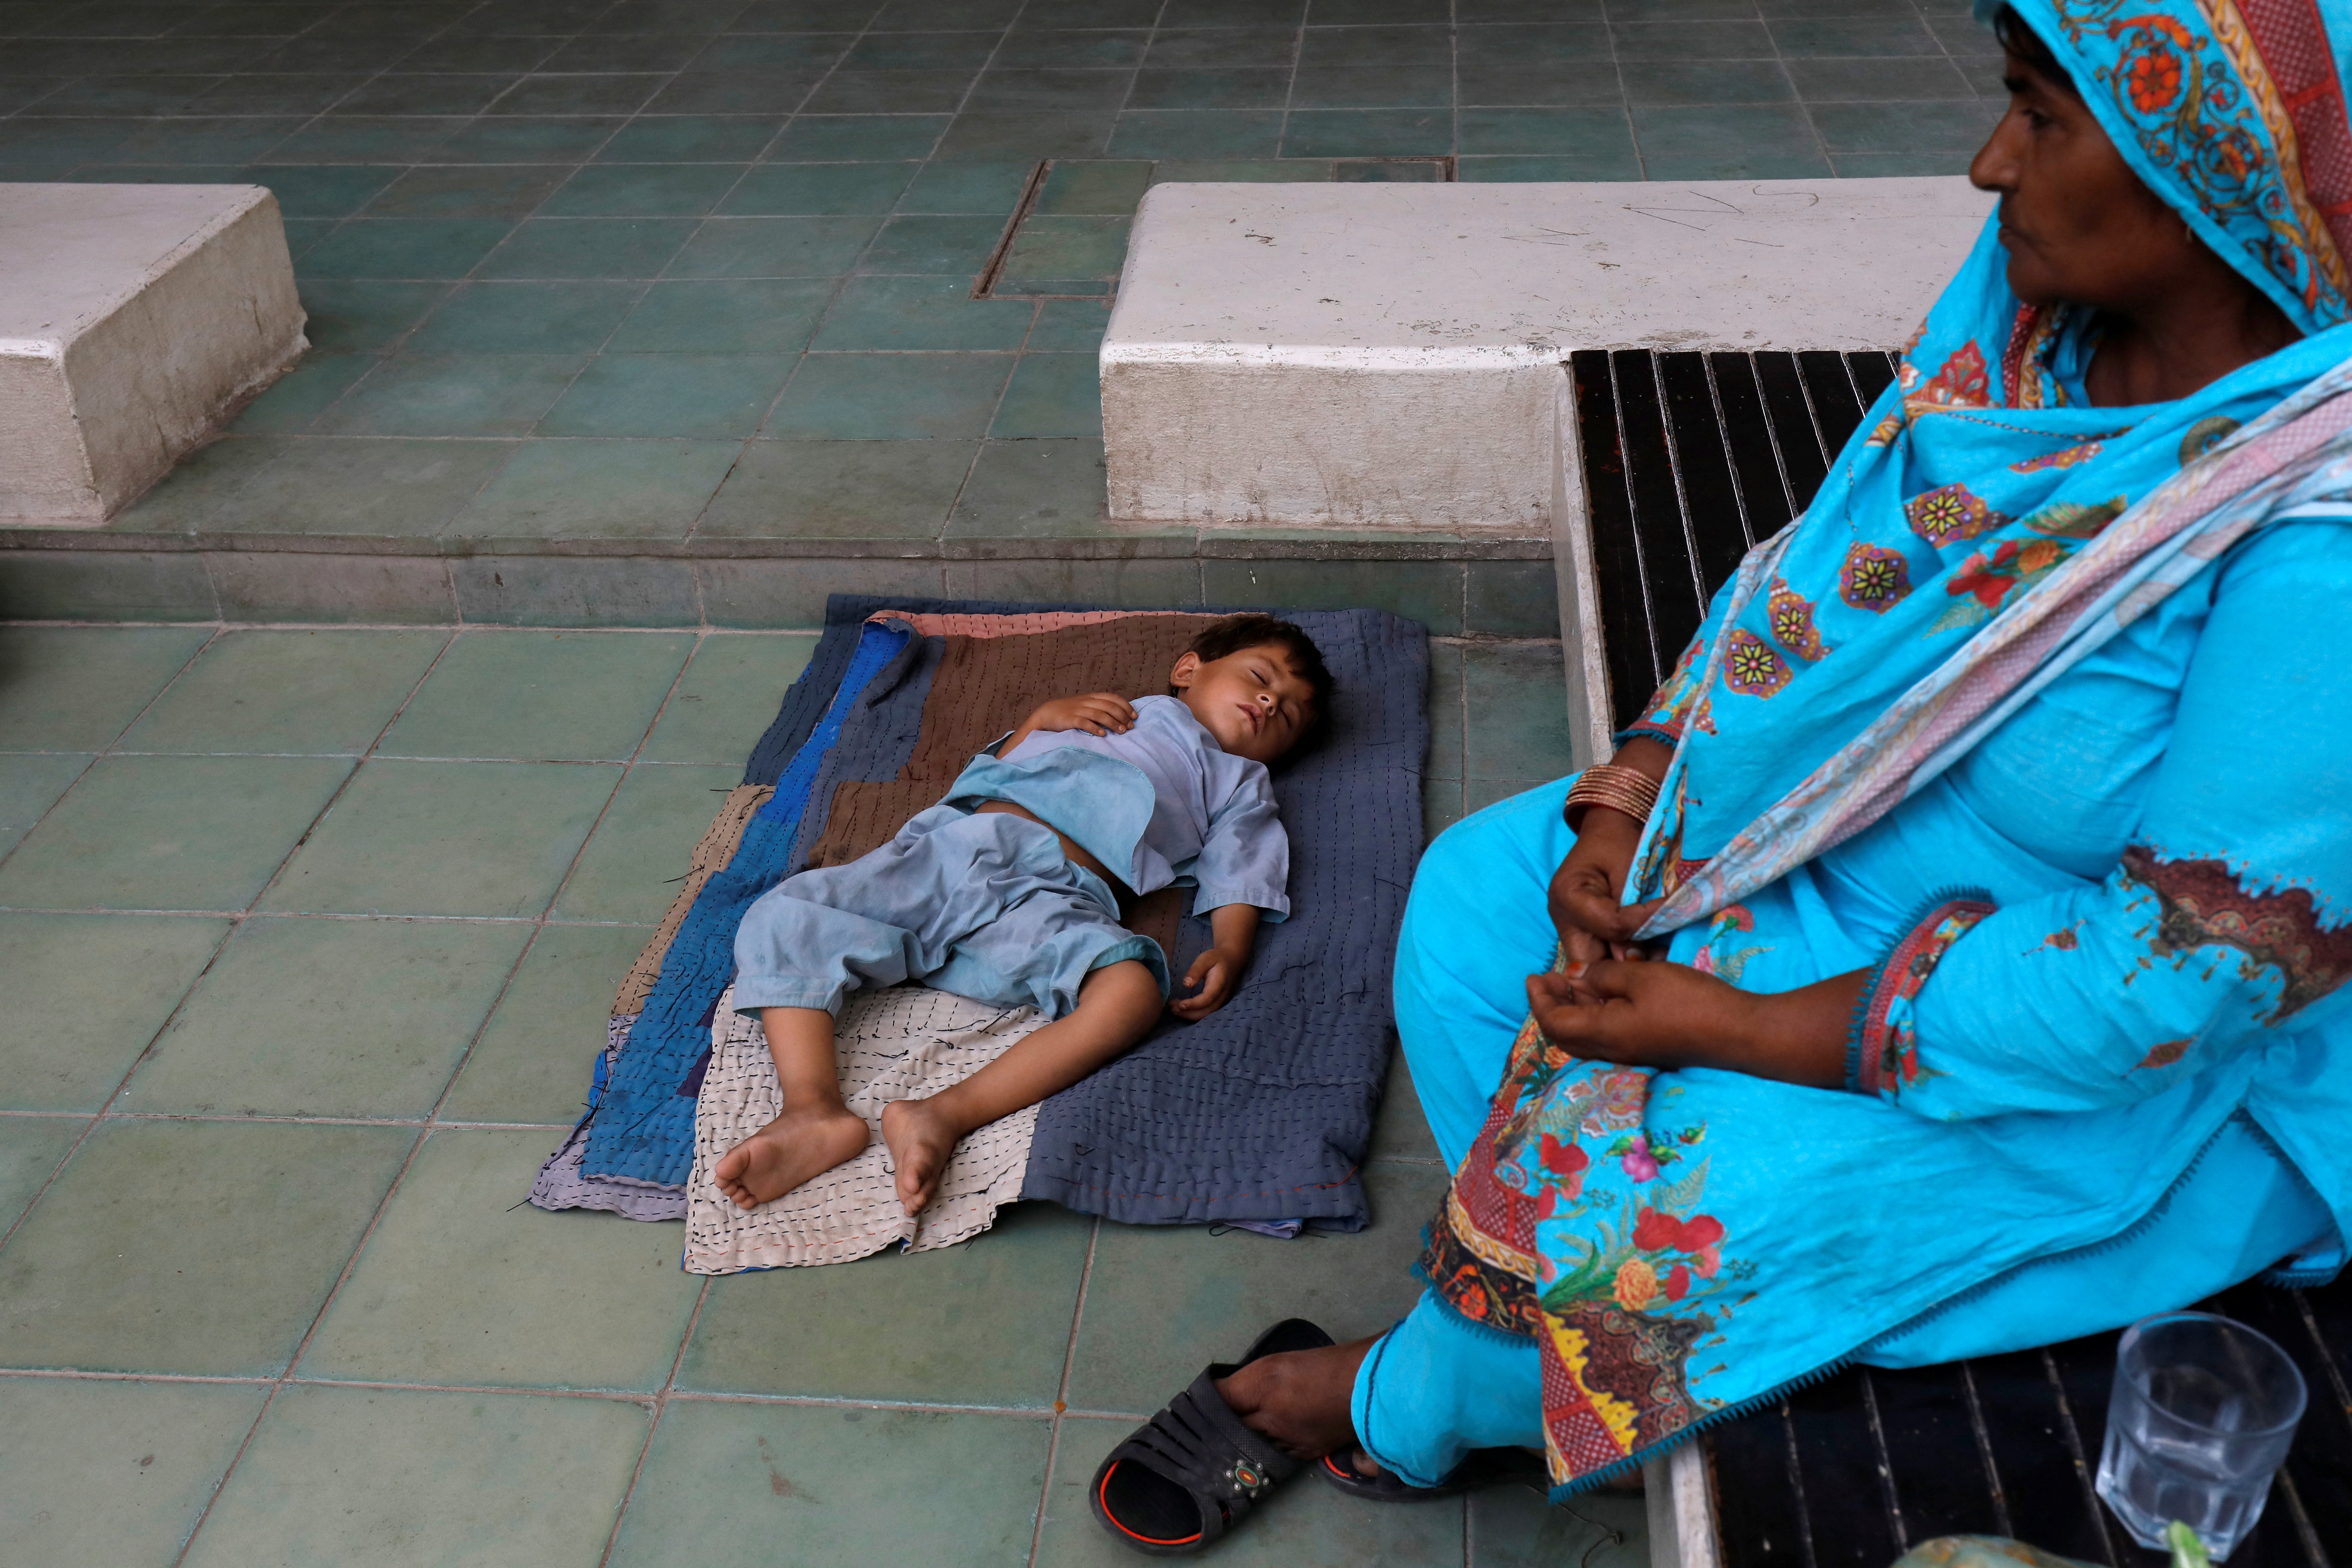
point(1253, 701)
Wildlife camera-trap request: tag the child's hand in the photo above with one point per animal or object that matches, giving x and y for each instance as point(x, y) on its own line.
point(1097, 713)
point(1216, 971)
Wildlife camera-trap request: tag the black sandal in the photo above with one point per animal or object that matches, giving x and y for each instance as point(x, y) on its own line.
point(1193, 1471)
point(1479, 1468)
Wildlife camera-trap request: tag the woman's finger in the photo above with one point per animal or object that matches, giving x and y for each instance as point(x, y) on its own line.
point(1564, 1018)
point(1581, 946)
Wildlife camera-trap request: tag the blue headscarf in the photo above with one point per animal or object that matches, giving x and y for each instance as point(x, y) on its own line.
point(1983, 471)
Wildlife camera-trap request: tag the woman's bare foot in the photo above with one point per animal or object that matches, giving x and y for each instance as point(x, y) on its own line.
point(922, 1139)
point(1299, 1399)
point(801, 1143)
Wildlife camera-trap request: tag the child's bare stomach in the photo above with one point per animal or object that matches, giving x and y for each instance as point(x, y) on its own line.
point(1077, 852)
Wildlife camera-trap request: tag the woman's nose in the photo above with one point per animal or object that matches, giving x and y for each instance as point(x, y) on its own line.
point(1994, 168)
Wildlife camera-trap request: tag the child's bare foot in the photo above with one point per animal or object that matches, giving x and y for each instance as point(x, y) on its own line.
point(922, 1139)
point(792, 1148)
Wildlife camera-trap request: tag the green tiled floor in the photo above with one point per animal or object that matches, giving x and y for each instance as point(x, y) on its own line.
point(607, 268)
point(310, 936)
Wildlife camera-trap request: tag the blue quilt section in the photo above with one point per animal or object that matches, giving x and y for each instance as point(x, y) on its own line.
point(643, 1129)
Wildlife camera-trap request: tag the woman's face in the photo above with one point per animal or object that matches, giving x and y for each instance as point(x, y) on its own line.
point(2079, 227)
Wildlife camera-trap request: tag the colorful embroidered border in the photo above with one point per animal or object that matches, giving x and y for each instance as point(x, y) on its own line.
point(1882, 1054)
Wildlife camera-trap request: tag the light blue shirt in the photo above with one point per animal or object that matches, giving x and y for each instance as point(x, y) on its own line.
point(1162, 803)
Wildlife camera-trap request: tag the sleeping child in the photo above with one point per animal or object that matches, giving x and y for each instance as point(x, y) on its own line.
point(1010, 891)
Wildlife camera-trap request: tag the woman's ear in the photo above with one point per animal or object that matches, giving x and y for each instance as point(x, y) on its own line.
point(1187, 670)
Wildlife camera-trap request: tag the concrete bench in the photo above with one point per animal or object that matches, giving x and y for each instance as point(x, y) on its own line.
point(134, 321)
point(1388, 355)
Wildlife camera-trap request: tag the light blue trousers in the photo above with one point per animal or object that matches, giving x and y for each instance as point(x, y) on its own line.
point(1476, 927)
point(983, 904)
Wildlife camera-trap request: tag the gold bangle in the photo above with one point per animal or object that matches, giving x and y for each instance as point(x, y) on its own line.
point(1628, 789)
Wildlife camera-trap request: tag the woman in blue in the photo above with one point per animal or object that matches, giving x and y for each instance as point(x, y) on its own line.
point(1989, 850)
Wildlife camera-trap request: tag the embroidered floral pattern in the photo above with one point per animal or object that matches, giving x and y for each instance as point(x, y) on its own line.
point(2025, 378)
point(2070, 520)
point(1577, 1222)
point(2199, 903)
point(2062, 940)
point(1882, 1059)
point(1751, 668)
point(1872, 578)
point(1670, 707)
point(1948, 513)
point(2153, 80)
point(1985, 583)
point(2064, 457)
point(1721, 957)
point(2204, 435)
point(1963, 382)
point(1790, 616)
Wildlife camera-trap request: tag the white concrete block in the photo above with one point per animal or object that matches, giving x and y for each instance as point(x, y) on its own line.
point(1370, 355)
point(134, 321)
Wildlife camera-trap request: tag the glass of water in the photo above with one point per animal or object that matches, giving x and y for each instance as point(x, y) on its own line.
point(2203, 1413)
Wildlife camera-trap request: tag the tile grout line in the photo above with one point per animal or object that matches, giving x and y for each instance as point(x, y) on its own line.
point(1453, 81)
point(637, 1396)
point(25, 1211)
point(659, 1408)
point(351, 1259)
point(1804, 104)
point(833, 297)
point(99, 753)
point(1625, 98)
point(1290, 83)
point(416, 1144)
point(980, 446)
point(1061, 1391)
point(539, 924)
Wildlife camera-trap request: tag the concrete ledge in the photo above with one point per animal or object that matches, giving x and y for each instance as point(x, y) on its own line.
point(107, 577)
point(134, 321)
point(1387, 355)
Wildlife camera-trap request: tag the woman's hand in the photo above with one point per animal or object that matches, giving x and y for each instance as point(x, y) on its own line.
point(1669, 1016)
point(1097, 713)
point(1584, 892)
point(1585, 889)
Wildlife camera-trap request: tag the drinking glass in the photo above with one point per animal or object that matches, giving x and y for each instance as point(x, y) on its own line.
point(2202, 1416)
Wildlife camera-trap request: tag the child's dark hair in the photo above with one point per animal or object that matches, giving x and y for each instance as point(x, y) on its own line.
point(2027, 44)
point(1234, 633)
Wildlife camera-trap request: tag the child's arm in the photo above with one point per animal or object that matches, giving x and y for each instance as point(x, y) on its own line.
point(1097, 713)
point(1232, 930)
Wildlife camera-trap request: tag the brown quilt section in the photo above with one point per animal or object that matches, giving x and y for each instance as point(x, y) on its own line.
point(985, 686)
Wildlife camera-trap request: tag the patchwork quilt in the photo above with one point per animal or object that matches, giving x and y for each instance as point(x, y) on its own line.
point(1259, 1112)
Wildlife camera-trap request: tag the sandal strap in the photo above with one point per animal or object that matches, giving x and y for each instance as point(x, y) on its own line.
point(1197, 1442)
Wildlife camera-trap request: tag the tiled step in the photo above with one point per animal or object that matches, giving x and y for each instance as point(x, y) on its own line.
point(1452, 586)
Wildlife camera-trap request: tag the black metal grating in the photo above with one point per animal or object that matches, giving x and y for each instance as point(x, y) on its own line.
point(1854, 1470)
point(1689, 460)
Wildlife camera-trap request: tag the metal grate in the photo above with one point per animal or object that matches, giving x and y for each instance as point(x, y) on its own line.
point(1689, 460)
point(1853, 1471)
